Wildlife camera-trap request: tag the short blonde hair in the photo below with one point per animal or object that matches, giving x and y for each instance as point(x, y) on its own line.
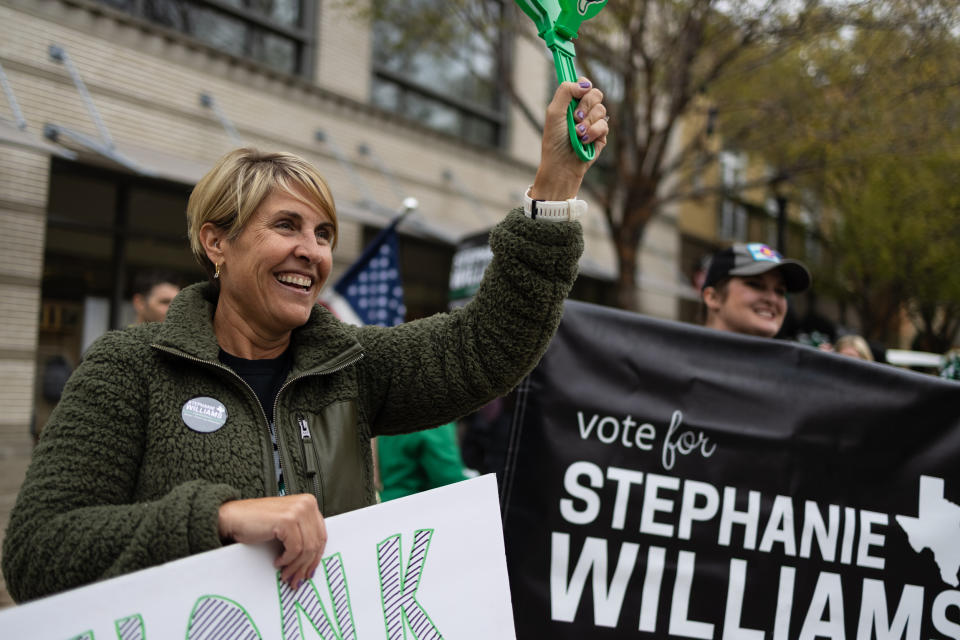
point(240, 181)
point(856, 343)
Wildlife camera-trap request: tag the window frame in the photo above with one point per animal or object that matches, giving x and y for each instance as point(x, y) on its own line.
point(733, 220)
point(497, 116)
point(304, 37)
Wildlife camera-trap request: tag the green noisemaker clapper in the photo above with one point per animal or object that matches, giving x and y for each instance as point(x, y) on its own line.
point(557, 23)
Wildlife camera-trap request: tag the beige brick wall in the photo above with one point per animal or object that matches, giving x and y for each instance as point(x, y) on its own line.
point(533, 74)
point(345, 50)
point(24, 177)
point(19, 178)
point(22, 236)
point(16, 398)
point(19, 306)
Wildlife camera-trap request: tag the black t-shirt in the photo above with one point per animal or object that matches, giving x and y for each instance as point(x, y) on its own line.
point(265, 377)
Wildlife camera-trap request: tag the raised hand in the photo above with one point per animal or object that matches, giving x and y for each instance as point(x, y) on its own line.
point(557, 23)
point(561, 171)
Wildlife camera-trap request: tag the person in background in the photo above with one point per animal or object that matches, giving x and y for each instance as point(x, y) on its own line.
point(487, 435)
point(153, 291)
point(854, 346)
point(413, 462)
point(745, 289)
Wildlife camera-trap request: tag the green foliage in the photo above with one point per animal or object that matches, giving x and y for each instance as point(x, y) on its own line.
point(857, 87)
point(895, 244)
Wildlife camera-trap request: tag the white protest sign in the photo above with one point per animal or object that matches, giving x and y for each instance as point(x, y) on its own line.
point(428, 566)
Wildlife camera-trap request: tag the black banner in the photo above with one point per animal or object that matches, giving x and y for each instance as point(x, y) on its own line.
point(668, 481)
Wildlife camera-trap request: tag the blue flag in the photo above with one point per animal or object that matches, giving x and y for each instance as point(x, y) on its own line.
point(371, 292)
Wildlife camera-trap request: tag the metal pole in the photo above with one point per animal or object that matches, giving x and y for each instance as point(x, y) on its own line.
point(206, 100)
point(60, 55)
point(12, 101)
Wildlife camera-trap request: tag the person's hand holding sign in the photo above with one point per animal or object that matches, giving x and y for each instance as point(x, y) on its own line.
point(561, 171)
point(293, 520)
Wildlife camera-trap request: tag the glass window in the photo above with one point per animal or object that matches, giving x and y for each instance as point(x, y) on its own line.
point(450, 88)
point(284, 12)
point(733, 215)
point(733, 221)
point(271, 32)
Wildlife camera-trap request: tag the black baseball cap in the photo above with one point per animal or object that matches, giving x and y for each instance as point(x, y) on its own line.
point(753, 259)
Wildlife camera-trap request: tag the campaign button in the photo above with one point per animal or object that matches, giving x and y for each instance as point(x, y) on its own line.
point(204, 415)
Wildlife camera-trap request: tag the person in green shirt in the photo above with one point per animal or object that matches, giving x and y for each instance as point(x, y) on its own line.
point(414, 462)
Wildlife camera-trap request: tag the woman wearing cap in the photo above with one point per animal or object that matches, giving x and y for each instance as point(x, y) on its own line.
point(745, 289)
point(248, 413)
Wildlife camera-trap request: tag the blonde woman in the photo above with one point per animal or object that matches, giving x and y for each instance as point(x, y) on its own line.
point(247, 415)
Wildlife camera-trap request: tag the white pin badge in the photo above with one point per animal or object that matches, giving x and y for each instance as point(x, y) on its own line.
point(203, 414)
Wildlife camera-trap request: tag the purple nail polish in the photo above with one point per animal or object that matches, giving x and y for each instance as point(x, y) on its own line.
point(581, 128)
point(584, 137)
point(585, 84)
point(580, 114)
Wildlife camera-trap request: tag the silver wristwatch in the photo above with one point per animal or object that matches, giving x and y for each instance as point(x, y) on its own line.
point(553, 210)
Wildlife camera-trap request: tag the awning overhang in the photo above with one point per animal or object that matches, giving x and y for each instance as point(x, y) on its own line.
point(14, 136)
point(132, 158)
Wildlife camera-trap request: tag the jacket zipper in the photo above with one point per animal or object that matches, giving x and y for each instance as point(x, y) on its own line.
point(310, 456)
point(263, 414)
point(276, 404)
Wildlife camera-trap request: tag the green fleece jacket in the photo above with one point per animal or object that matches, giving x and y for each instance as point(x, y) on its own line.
point(118, 482)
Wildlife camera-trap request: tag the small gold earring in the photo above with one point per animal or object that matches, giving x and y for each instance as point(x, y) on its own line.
point(216, 271)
